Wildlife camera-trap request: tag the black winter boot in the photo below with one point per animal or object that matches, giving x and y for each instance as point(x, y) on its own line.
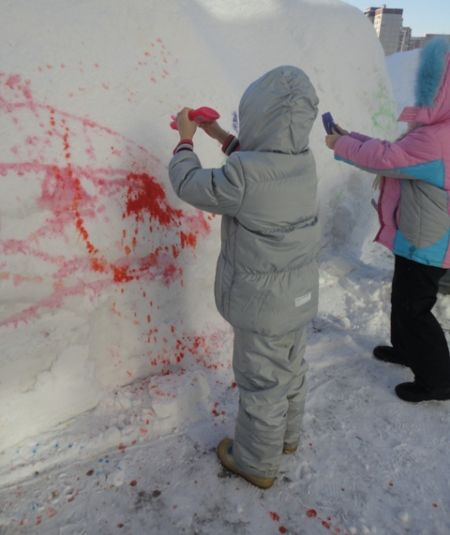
point(414, 392)
point(388, 354)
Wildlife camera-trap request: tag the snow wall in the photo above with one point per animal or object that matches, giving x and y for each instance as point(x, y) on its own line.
point(106, 277)
point(402, 68)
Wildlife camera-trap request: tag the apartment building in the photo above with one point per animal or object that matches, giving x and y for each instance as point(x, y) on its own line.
point(388, 24)
point(394, 37)
point(369, 12)
point(405, 39)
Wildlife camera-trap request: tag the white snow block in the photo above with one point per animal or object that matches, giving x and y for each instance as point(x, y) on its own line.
point(103, 271)
point(179, 399)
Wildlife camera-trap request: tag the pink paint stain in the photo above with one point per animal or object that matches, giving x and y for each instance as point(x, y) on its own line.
point(78, 197)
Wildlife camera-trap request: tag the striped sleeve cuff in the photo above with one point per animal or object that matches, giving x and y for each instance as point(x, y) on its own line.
point(230, 145)
point(184, 144)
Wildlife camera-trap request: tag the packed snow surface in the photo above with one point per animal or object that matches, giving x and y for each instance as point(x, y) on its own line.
point(116, 380)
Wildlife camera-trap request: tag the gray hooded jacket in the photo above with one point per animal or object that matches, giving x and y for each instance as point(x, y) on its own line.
point(267, 275)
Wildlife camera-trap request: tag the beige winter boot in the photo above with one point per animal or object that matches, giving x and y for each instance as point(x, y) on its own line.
point(289, 448)
point(225, 454)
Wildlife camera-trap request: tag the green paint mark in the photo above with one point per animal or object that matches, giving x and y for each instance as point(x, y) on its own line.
point(384, 117)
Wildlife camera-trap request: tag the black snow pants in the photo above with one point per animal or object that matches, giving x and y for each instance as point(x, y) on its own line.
point(415, 333)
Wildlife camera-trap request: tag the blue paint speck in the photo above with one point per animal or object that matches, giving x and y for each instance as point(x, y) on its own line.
point(235, 121)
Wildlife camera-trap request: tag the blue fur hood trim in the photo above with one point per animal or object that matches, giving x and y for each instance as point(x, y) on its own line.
point(431, 71)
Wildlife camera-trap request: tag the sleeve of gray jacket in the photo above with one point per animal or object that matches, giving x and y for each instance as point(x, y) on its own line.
point(219, 191)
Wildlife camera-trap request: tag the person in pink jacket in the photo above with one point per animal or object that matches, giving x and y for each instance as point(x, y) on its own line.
point(414, 215)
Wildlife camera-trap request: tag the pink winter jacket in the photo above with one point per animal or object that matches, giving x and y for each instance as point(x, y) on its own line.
point(414, 203)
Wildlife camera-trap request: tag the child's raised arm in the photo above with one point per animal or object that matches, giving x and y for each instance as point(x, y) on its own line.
point(412, 157)
point(215, 131)
point(219, 191)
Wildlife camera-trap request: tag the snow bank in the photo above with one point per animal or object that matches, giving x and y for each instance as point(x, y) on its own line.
point(402, 68)
point(105, 276)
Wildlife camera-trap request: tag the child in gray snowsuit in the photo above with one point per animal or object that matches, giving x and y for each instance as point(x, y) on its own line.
point(267, 276)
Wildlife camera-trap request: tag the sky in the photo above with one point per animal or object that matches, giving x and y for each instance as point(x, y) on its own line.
point(431, 16)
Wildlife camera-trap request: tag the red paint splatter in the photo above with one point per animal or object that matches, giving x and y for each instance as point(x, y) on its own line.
point(78, 195)
point(188, 240)
point(282, 529)
point(275, 516)
point(325, 523)
point(81, 202)
point(133, 483)
point(146, 197)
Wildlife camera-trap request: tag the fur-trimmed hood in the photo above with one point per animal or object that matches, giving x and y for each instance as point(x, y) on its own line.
point(432, 89)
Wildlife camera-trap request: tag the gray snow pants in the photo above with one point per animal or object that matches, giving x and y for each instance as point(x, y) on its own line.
point(270, 374)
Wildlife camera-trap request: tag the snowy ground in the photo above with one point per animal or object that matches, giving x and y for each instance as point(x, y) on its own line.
point(368, 463)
